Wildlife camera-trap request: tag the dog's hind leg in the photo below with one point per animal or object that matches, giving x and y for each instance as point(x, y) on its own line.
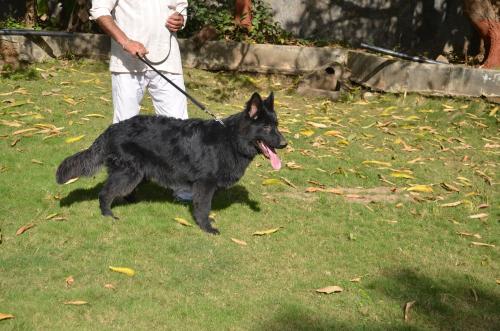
point(120, 183)
point(203, 193)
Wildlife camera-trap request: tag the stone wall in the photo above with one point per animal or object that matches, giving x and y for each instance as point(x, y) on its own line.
point(422, 26)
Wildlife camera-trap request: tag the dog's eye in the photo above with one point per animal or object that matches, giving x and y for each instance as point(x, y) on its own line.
point(268, 128)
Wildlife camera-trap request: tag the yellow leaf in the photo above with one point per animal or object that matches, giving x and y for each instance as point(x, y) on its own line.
point(400, 174)
point(412, 118)
point(36, 161)
point(239, 242)
point(377, 163)
point(182, 221)
point(307, 133)
point(265, 232)
point(355, 280)
point(334, 133)
point(330, 289)
point(126, 271)
point(5, 316)
point(271, 181)
point(317, 125)
point(74, 139)
point(70, 101)
point(420, 188)
point(95, 115)
point(76, 302)
point(51, 216)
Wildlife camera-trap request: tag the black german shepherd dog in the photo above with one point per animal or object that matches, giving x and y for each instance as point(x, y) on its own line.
point(203, 155)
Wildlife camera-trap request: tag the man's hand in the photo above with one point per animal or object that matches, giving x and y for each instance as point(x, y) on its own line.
point(175, 22)
point(134, 47)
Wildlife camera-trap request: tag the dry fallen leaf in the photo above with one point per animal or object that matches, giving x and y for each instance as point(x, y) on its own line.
point(408, 305)
point(239, 242)
point(69, 281)
point(51, 216)
point(467, 234)
point(452, 204)
point(475, 243)
point(292, 165)
point(479, 216)
point(76, 302)
point(72, 180)
point(122, 270)
point(449, 187)
point(5, 316)
point(110, 286)
point(377, 163)
point(333, 133)
point(265, 232)
point(330, 289)
point(24, 228)
point(355, 280)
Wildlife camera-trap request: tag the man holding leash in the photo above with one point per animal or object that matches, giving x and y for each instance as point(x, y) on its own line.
point(146, 28)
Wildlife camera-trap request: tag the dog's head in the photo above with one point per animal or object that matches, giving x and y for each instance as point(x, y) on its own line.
point(260, 128)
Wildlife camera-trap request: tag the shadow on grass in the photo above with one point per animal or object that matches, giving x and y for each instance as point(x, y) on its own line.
point(452, 302)
point(154, 193)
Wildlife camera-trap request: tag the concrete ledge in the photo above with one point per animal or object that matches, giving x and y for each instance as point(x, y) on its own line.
point(398, 76)
point(212, 55)
point(39, 49)
point(376, 72)
point(219, 55)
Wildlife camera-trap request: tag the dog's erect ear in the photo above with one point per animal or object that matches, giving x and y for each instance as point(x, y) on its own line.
point(254, 106)
point(270, 101)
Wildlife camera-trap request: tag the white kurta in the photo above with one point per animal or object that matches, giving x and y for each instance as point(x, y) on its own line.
point(143, 21)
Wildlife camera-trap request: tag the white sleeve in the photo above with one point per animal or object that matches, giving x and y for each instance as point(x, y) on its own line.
point(101, 8)
point(182, 8)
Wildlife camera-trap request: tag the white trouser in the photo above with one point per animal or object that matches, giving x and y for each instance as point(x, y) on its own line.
point(128, 91)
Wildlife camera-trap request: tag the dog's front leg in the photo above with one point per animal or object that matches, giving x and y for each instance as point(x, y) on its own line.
point(203, 193)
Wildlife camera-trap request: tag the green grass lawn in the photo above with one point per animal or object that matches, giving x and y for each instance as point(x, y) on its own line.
point(375, 196)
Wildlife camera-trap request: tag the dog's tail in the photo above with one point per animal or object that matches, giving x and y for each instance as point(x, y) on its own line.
point(84, 163)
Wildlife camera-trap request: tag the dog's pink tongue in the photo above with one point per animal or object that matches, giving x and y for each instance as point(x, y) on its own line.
point(273, 157)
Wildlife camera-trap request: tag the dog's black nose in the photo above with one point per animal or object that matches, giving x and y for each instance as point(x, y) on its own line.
point(283, 142)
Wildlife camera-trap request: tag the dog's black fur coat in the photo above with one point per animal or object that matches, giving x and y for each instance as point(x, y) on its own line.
point(203, 155)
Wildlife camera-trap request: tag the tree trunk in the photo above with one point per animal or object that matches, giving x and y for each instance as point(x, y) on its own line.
point(243, 15)
point(486, 21)
point(30, 15)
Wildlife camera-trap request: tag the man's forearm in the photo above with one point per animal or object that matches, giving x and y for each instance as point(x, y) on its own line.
point(108, 25)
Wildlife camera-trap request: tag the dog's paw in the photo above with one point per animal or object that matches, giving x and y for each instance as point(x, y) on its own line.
point(213, 231)
point(110, 214)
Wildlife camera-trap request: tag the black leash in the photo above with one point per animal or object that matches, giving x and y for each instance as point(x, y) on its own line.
point(196, 102)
